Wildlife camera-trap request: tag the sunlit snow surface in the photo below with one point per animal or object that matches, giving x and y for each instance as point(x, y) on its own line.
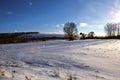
point(83, 59)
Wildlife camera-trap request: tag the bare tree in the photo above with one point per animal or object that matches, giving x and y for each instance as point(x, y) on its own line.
point(118, 29)
point(110, 29)
point(91, 34)
point(70, 30)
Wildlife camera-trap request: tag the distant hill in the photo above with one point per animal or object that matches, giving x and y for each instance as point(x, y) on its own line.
point(28, 37)
point(16, 34)
point(41, 36)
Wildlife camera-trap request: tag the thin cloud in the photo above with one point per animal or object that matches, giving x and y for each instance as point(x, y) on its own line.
point(116, 4)
point(54, 32)
point(96, 10)
point(98, 26)
point(92, 26)
point(84, 25)
point(30, 3)
point(115, 11)
point(9, 12)
point(15, 31)
point(59, 25)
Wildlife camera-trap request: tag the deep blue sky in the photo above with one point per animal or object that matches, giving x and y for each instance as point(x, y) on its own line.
point(49, 15)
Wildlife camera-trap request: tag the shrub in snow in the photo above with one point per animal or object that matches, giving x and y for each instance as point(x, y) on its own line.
point(13, 72)
point(69, 77)
point(13, 63)
point(2, 73)
point(96, 74)
point(27, 78)
point(56, 72)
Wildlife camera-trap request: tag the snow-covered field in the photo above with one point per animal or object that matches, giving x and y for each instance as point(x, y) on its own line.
point(59, 60)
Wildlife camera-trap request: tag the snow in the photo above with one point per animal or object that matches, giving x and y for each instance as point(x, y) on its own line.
point(83, 59)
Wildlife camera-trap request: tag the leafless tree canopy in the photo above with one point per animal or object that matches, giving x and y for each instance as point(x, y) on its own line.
point(112, 29)
point(70, 30)
point(118, 29)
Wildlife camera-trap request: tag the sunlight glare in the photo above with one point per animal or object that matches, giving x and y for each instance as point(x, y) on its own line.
point(116, 17)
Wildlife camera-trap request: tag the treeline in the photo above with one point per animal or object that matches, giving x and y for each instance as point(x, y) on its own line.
point(112, 31)
point(70, 30)
point(21, 40)
point(14, 37)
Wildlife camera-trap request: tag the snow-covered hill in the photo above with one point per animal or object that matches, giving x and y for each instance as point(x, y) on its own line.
point(59, 60)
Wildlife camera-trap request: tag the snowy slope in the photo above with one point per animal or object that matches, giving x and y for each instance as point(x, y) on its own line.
point(83, 59)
